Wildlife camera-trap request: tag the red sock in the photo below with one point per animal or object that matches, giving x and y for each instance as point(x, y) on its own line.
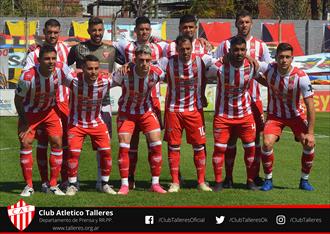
point(133, 157)
point(123, 160)
point(27, 165)
point(174, 162)
point(73, 164)
point(64, 169)
point(42, 162)
point(199, 160)
point(106, 164)
point(218, 160)
point(155, 158)
point(250, 164)
point(307, 161)
point(230, 156)
point(267, 160)
point(55, 161)
point(257, 159)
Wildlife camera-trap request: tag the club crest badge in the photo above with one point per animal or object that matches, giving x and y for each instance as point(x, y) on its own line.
point(21, 214)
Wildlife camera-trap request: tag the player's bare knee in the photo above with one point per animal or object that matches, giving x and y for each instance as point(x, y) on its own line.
point(268, 144)
point(55, 142)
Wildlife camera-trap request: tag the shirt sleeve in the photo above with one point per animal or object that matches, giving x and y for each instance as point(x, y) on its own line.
point(306, 86)
point(69, 75)
point(29, 62)
point(266, 55)
point(219, 51)
point(117, 79)
point(208, 60)
point(162, 63)
point(23, 86)
point(72, 55)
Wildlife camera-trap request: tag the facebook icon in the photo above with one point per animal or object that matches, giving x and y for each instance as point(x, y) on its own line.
point(148, 219)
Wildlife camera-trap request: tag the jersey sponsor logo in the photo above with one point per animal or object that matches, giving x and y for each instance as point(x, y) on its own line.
point(21, 214)
point(106, 54)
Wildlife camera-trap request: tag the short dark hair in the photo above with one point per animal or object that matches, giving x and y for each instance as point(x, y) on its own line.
point(52, 23)
point(243, 13)
point(141, 20)
point(182, 38)
point(46, 49)
point(187, 19)
point(94, 21)
point(90, 57)
point(283, 47)
point(237, 40)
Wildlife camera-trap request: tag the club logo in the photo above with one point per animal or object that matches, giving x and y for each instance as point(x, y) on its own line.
point(21, 214)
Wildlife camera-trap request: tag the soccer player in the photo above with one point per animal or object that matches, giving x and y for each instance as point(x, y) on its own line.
point(88, 90)
point(258, 50)
point(52, 32)
point(286, 84)
point(107, 56)
point(158, 50)
point(135, 110)
point(188, 27)
point(35, 100)
point(185, 74)
point(233, 111)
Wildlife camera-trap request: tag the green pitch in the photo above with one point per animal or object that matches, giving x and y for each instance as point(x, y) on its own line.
point(286, 175)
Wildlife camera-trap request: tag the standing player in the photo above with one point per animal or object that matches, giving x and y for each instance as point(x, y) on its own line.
point(135, 110)
point(52, 32)
point(158, 50)
point(188, 27)
point(107, 56)
point(87, 93)
point(286, 84)
point(257, 50)
point(35, 101)
point(185, 73)
point(233, 112)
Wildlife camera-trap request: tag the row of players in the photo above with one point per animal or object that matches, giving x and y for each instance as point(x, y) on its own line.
point(43, 93)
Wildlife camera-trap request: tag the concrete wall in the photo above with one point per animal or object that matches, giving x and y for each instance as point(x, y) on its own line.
point(309, 33)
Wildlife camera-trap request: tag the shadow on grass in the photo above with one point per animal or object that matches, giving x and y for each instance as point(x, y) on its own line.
point(89, 185)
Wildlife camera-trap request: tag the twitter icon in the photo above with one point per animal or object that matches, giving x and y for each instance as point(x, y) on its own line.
point(219, 220)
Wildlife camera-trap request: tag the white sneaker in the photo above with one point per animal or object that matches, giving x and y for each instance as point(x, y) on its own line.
point(174, 188)
point(71, 190)
point(44, 188)
point(204, 187)
point(108, 189)
point(56, 190)
point(27, 191)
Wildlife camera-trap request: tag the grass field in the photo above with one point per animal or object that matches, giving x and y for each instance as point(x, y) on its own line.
point(286, 175)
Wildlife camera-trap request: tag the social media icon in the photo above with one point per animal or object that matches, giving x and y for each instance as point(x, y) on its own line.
point(220, 219)
point(280, 219)
point(149, 219)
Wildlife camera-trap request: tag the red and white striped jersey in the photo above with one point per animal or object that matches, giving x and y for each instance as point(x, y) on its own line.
point(39, 91)
point(136, 90)
point(233, 99)
point(184, 82)
point(197, 49)
point(62, 56)
point(158, 50)
point(258, 50)
point(284, 91)
point(86, 100)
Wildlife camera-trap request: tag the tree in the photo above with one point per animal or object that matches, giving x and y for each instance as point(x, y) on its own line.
point(314, 10)
point(289, 9)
